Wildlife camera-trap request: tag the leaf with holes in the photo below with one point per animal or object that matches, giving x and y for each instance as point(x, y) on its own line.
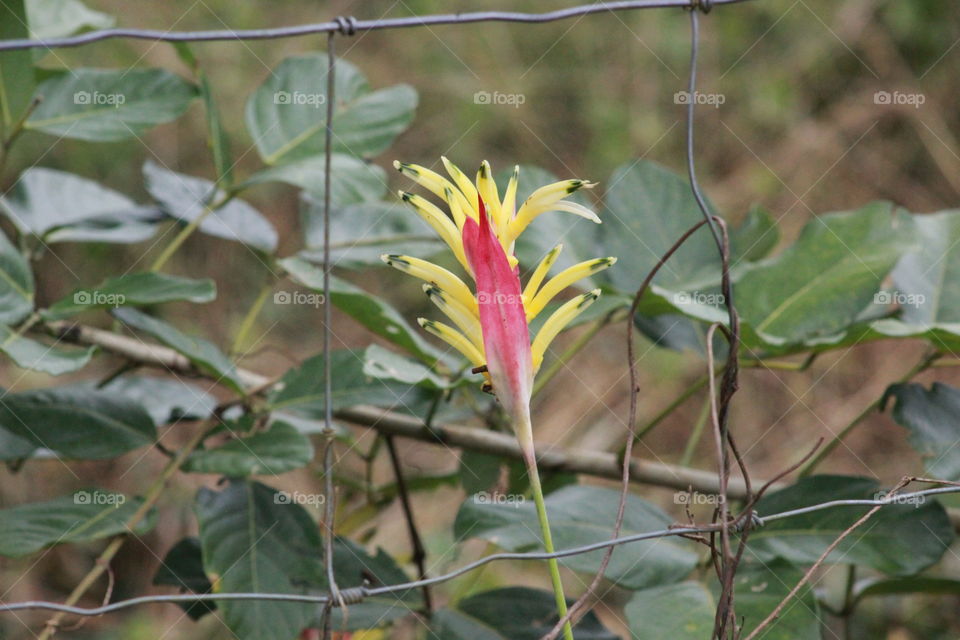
point(582, 515)
point(286, 115)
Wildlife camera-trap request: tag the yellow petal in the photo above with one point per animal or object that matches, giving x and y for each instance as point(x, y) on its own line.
point(453, 338)
point(440, 223)
point(549, 198)
point(436, 274)
point(563, 280)
point(541, 272)
point(431, 180)
point(510, 196)
point(466, 187)
point(557, 322)
point(491, 199)
point(465, 319)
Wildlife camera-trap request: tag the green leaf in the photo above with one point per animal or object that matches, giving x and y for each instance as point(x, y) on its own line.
point(16, 284)
point(186, 198)
point(933, 419)
point(351, 179)
point(906, 586)
point(682, 611)
point(13, 448)
point(301, 389)
point(104, 105)
point(83, 516)
point(583, 515)
point(760, 588)
point(361, 233)
point(38, 356)
point(182, 567)
point(755, 238)
point(60, 18)
point(367, 309)
point(384, 364)
point(133, 289)
point(16, 67)
point(280, 449)
point(478, 471)
point(165, 399)
point(63, 207)
point(255, 540)
point(511, 613)
point(286, 114)
point(900, 539)
point(822, 283)
point(202, 353)
point(77, 422)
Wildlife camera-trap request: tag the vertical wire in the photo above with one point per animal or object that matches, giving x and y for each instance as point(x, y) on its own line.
point(329, 501)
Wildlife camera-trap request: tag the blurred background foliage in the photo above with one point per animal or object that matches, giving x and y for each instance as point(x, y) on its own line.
point(799, 132)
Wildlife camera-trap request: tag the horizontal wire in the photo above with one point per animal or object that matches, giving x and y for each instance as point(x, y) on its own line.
point(351, 25)
point(365, 592)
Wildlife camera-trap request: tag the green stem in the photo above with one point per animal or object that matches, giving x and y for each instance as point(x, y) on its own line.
point(695, 435)
point(815, 461)
point(248, 320)
point(187, 231)
point(531, 461)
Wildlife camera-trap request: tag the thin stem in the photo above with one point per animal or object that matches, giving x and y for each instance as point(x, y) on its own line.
point(532, 471)
point(14, 132)
point(250, 318)
point(187, 231)
point(815, 461)
point(149, 500)
point(696, 434)
point(848, 601)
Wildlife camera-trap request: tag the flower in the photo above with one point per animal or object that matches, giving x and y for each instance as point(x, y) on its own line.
point(491, 325)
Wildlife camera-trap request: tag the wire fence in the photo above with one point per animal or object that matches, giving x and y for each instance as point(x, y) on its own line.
point(724, 525)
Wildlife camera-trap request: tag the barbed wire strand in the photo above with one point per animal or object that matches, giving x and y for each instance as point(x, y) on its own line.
point(340, 25)
point(913, 498)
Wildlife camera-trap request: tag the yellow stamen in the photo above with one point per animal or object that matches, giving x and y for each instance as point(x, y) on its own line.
point(466, 187)
point(436, 274)
point(453, 338)
point(541, 272)
point(440, 222)
point(491, 199)
point(431, 181)
point(548, 199)
point(510, 196)
point(465, 319)
point(557, 322)
point(563, 280)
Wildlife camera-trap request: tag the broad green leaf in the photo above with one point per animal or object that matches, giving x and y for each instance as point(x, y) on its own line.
point(478, 471)
point(933, 419)
point(182, 567)
point(353, 567)
point(202, 353)
point(83, 516)
point(755, 238)
point(300, 391)
point(822, 283)
point(77, 422)
point(384, 364)
point(511, 613)
point(103, 105)
point(682, 611)
point(16, 284)
point(187, 198)
point(367, 309)
point(255, 540)
point(16, 67)
point(133, 289)
point(13, 447)
point(906, 586)
point(760, 588)
point(63, 207)
point(286, 115)
point(351, 179)
point(60, 18)
point(361, 233)
point(899, 540)
point(582, 515)
point(165, 399)
point(38, 356)
point(280, 449)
